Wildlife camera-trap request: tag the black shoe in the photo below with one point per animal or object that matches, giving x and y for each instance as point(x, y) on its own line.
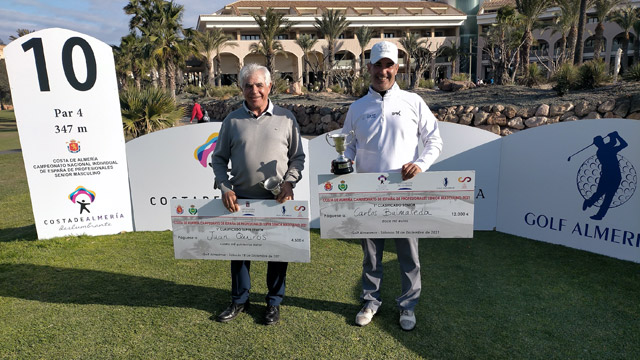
point(273, 315)
point(232, 312)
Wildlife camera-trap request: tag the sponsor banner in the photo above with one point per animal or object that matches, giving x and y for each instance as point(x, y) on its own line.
point(174, 164)
point(65, 95)
point(465, 148)
point(574, 184)
point(469, 148)
point(263, 230)
point(434, 204)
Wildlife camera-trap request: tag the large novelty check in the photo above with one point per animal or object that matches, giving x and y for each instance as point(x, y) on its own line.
point(262, 230)
point(434, 204)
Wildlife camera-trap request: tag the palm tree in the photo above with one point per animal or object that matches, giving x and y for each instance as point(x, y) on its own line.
point(411, 42)
point(452, 52)
point(167, 45)
point(625, 18)
point(306, 43)
point(145, 111)
point(20, 33)
point(603, 9)
point(129, 58)
point(636, 41)
point(530, 11)
point(503, 42)
point(331, 25)
point(272, 25)
point(569, 12)
point(561, 24)
point(209, 44)
point(364, 35)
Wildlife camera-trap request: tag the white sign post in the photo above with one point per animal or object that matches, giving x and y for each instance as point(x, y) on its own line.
point(65, 95)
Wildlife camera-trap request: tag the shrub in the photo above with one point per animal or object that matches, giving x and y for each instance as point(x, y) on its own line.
point(360, 85)
point(566, 78)
point(222, 92)
point(280, 85)
point(593, 74)
point(460, 77)
point(426, 83)
point(194, 89)
point(632, 73)
point(337, 88)
point(535, 76)
point(145, 111)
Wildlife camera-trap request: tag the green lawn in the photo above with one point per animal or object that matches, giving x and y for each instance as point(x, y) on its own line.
point(125, 296)
point(8, 131)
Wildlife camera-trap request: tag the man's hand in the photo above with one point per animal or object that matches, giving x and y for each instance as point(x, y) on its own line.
point(409, 170)
point(286, 192)
point(230, 201)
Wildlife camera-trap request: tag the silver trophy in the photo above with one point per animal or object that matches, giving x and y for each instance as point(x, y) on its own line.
point(342, 164)
point(272, 184)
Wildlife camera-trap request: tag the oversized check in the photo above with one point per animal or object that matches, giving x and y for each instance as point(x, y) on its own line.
point(262, 230)
point(433, 204)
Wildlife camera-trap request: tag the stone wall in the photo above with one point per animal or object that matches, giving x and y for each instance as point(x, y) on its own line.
point(499, 119)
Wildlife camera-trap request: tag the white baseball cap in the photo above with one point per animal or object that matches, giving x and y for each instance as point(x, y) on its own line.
point(384, 49)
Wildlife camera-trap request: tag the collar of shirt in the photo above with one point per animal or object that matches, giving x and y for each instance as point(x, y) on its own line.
point(393, 90)
point(268, 111)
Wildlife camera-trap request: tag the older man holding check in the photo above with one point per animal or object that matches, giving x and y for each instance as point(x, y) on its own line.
point(260, 140)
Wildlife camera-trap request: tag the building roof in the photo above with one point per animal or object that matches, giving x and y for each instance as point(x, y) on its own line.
point(494, 5)
point(350, 8)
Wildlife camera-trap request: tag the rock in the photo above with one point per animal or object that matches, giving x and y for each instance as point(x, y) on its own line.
point(535, 121)
point(622, 108)
point(332, 126)
point(480, 118)
point(555, 110)
point(526, 112)
point(497, 119)
point(325, 111)
point(606, 106)
point(508, 131)
point(326, 119)
point(634, 116)
point(342, 118)
point(571, 118)
point(609, 115)
point(295, 89)
point(553, 120)
point(460, 110)
point(449, 85)
point(315, 118)
point(566, 115)
point(516, 123)
point(303, 119)
point(583, 108)
point(543, 110)
point(509, 112)
point(466, 119)
point(450, 118)
point(592, 115)
point(498, 108)
point(468, 109)
point(634, 105)
point(493, 128)
point(309, 129)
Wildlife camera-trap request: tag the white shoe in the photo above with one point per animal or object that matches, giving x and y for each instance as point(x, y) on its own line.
point(364, 316)
point(407, 320)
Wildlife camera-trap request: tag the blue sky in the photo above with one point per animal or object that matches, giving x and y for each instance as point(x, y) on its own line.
point(102, 19)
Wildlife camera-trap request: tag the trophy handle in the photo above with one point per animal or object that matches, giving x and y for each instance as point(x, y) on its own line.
point(353, 137)
point(326, 137)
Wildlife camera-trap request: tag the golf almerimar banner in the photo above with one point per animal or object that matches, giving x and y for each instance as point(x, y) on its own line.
point(263, 230)
point(65, 94)
point(433, 204)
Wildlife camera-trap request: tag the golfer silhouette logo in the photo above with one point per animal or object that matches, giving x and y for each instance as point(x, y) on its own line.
point(606, 179)
point(80, 196)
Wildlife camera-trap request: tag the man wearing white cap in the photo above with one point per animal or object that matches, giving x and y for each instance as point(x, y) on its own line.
point(388, 124)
